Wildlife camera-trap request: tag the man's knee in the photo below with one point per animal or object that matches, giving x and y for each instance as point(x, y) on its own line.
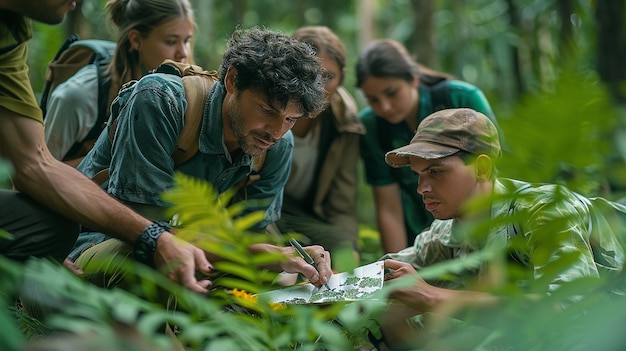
point(103, 262)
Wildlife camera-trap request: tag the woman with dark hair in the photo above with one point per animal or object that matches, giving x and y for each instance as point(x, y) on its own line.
point(400, 93)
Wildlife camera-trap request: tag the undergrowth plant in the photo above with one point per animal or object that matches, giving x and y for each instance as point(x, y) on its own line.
point(153, 313)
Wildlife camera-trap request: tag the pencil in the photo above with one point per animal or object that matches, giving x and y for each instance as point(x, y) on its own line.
point(305, 255)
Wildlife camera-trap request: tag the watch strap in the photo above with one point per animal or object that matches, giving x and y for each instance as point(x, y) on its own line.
point(146, 243)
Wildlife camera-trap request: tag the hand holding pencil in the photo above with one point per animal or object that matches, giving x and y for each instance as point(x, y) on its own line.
point(305, 255)
point(317, 263)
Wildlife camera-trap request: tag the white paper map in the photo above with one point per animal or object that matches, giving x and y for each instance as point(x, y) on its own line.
point(346, 286)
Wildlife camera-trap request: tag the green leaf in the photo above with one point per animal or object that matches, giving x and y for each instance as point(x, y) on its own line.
point(234, 283)
point(248, 221)
point(6, 169)
point(222, 344)
point(247, 273)
point(472, 260)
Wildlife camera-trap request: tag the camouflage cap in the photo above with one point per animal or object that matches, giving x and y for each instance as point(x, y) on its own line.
point(446, 132)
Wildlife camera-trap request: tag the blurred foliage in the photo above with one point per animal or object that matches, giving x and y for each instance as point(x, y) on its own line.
point(5, 183)
point(79, 315)
point(564, 135)
point(473, 39)
point(511, 49)
point(369, 242)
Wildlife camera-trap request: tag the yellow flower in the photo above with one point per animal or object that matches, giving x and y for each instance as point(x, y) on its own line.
point(277, 306)
point(244, 295)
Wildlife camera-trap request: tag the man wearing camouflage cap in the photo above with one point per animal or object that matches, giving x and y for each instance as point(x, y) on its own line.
point(454, 154)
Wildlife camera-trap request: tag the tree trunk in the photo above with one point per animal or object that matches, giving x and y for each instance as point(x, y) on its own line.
point(612, 46)
point(239, 8)
point(422, 40)
point(565, 9)
point(365, 10)
point(204, 42)
point(515, 56)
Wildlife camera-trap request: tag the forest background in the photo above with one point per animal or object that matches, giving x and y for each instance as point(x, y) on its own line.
point(553, 71)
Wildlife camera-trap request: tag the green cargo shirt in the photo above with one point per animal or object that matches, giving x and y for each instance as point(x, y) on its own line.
point(150, 122)
point(591, 227)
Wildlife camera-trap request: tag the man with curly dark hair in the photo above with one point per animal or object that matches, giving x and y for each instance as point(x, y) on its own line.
point(267, 81)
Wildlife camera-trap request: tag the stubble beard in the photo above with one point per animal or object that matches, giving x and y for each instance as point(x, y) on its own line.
point(235, 120)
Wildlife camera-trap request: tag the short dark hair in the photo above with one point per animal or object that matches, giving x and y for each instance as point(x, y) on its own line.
point(469, 157)
point(389, 58)
point(466, 156)
point(283, 68)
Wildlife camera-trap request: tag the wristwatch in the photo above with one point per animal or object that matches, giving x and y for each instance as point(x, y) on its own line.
point(146, 244)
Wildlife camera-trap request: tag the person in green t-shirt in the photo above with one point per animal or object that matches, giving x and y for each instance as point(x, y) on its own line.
point(400, 93)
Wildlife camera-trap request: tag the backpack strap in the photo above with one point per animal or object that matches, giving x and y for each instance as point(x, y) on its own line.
point(50, 73)
point(105, 90)
point(73, 55)
point(197, 88)
point(197, 83)
point(440, 95)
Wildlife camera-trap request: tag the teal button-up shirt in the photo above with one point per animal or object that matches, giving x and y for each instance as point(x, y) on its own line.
point(150, 121)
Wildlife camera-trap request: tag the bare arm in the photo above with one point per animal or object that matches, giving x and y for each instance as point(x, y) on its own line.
point(61, 187)
point(390, 217)
point(55, 184)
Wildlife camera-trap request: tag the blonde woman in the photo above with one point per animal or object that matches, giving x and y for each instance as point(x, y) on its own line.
point(150, 31)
